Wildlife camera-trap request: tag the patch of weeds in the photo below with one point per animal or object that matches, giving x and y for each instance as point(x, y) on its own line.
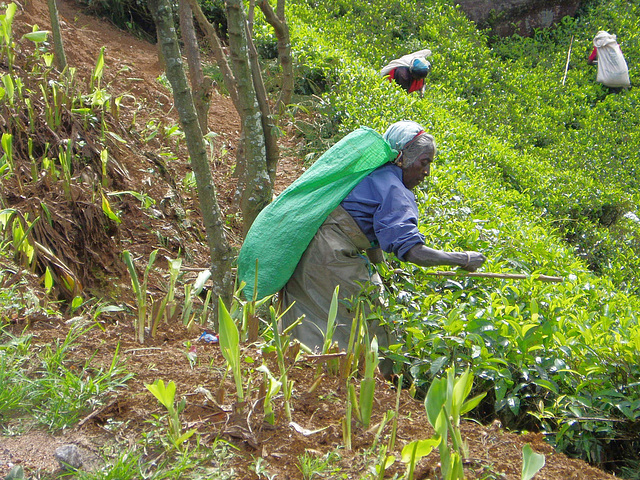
point(154, 436)
point(189, 182)
point(331, 397)
point(20, 299)
point(311, 465)
point(213, 72)
point(14, 389)
point(197, 462)
point(114, 425)
point(11, 429)
point(63, 391)
point(261, 469)
point(488, 473)
point(128, 465)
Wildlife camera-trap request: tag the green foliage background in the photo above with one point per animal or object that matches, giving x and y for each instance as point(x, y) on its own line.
point(535, 170)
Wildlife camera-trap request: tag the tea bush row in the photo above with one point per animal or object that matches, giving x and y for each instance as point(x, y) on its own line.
point(538, 175)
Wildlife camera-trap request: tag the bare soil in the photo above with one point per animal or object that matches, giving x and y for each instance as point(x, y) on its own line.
point(132, 70)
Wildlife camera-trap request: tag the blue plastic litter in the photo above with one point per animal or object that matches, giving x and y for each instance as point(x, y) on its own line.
point(208, 337)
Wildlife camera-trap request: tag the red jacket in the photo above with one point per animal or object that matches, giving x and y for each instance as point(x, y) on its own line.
point(403, 78)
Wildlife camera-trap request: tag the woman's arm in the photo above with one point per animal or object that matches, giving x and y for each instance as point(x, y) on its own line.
point(428, 257)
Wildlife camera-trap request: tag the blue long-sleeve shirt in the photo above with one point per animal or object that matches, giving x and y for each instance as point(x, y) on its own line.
point(385, 210)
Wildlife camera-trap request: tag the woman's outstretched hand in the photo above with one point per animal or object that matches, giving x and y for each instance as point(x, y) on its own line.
point(474, 261)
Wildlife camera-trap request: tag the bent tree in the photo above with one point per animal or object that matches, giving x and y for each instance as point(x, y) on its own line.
point(220, 250)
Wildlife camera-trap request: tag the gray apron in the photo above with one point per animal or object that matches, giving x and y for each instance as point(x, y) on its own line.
point(335, 256)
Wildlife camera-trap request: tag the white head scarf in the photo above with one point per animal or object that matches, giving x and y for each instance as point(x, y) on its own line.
point(405, 61)
point(410, 140)
point(400, 133)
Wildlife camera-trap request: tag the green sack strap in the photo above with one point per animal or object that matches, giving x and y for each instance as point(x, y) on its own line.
point(283, 230)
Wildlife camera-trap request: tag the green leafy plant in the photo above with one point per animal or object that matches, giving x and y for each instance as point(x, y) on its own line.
point(272, 387)
point(191, 293)
point(281, 344)
point(331, 321)
point(359, 344)
point(166, 397)
point(39, 37)
point(65, 157)
point(98, 71)
point(368, 384)
point(384, 462)
point(230, 347)
point(168, 305)
point(9, 89)
point(106, 208)
point(7, 147)
point(445, 403)
point(346, 420)
point(140, 290)
point(414, 451)
point(6, 27)
point(12, 220)
point(532, 462)
point(145, 200)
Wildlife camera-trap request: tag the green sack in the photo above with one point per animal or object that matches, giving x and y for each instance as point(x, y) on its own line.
point(283, 230)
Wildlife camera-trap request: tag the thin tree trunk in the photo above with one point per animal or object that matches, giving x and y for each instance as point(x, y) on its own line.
point(218, 52)
point(278, 21)
point(268, 125)
point(58, 47)
point(255, 187)
point(200, 86)
point(220, 251)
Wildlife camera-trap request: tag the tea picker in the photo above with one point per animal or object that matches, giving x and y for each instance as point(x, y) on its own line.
point(327, 228)
point(612, 67)
point(409, 71)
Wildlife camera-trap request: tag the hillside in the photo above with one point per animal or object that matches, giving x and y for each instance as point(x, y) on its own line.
point(146, 158)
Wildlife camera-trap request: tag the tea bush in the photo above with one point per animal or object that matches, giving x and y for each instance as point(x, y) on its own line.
point(537, 171)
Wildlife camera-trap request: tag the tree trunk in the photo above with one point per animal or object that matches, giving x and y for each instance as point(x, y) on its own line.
point(200, 86)
point(279, 23)
point(58, 47)
point(255, 187)
point(218, 53)
point(220, 250)
point(268, 125)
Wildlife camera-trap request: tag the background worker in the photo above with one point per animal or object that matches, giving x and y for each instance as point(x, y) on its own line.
point(613, 71)
point(409, 71)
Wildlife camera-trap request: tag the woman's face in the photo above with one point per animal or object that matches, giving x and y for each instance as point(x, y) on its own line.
point(414, 174)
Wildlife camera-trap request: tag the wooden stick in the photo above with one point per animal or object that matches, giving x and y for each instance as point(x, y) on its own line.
point(326, 356)
point(566, 68)
point(511, 276)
